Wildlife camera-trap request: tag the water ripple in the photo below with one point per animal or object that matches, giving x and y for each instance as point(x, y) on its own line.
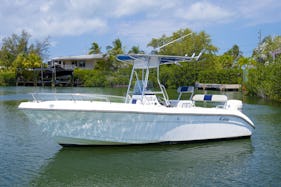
point(31, 158)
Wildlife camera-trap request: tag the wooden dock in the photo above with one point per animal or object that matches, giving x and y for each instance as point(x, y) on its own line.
point(221, 87)
point(45, 77)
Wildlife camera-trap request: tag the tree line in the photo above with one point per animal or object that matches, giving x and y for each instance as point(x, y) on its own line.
point(260, 74)
point(17, 53)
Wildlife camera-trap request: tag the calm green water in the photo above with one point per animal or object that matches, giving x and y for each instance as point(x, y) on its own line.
point(30, 158)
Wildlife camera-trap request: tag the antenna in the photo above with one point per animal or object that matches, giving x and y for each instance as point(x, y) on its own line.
point(259, 46)
point(259, 36)
point(173, 41)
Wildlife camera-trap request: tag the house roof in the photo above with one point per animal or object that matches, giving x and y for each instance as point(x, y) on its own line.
point(80, 57)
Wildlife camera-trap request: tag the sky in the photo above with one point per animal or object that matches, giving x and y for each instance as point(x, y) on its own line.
point(72, 25)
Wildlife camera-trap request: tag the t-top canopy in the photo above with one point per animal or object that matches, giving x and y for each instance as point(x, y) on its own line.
point(142, 61)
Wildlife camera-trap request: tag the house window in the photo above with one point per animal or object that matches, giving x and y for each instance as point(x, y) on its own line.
point(74, 63)
point(82, 64)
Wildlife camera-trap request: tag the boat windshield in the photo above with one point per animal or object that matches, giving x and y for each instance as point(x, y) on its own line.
point(138, 88)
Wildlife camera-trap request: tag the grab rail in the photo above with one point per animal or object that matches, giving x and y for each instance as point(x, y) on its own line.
point(37, 97)
point(165, 94)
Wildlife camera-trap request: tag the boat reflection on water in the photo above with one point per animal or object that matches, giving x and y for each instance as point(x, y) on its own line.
point(223, 162)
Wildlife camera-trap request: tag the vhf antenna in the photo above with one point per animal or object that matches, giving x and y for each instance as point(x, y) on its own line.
point(173, 41)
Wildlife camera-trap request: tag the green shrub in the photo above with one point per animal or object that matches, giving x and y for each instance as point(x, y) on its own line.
point(225, 76)
point(7, 78)
point(264, 81)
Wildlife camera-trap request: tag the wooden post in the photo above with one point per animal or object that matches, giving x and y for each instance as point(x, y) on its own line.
point(54, 75)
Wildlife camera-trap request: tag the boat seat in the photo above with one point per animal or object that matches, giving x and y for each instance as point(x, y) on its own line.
point(210, 98)
point(185, 89)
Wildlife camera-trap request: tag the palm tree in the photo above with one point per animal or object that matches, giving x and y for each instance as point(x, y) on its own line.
point(234, 52)
point(95, 49)
point(136, 50)
point(112, 51)
point(117, 46)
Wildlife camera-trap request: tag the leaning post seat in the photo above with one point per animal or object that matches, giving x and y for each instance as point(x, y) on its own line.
point(185, 89)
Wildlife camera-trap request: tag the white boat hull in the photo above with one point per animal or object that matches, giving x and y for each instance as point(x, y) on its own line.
point(101, 123)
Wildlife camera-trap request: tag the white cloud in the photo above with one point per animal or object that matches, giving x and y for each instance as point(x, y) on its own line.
point(132, 7)
point(71, 17)
point(129, 17)
point(141, 33)
point(46, 6)
point(50, 18)
point(255, 12)
point(204, 11)
point(70, 27)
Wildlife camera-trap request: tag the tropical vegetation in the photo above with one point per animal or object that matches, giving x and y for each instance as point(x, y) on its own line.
point(264, 78)
point(260, 74)
point(18, 54)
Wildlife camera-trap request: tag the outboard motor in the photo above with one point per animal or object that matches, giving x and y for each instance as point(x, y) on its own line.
point(234, 105)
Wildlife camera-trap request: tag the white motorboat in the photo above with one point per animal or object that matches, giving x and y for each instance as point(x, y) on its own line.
point(145, 116)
